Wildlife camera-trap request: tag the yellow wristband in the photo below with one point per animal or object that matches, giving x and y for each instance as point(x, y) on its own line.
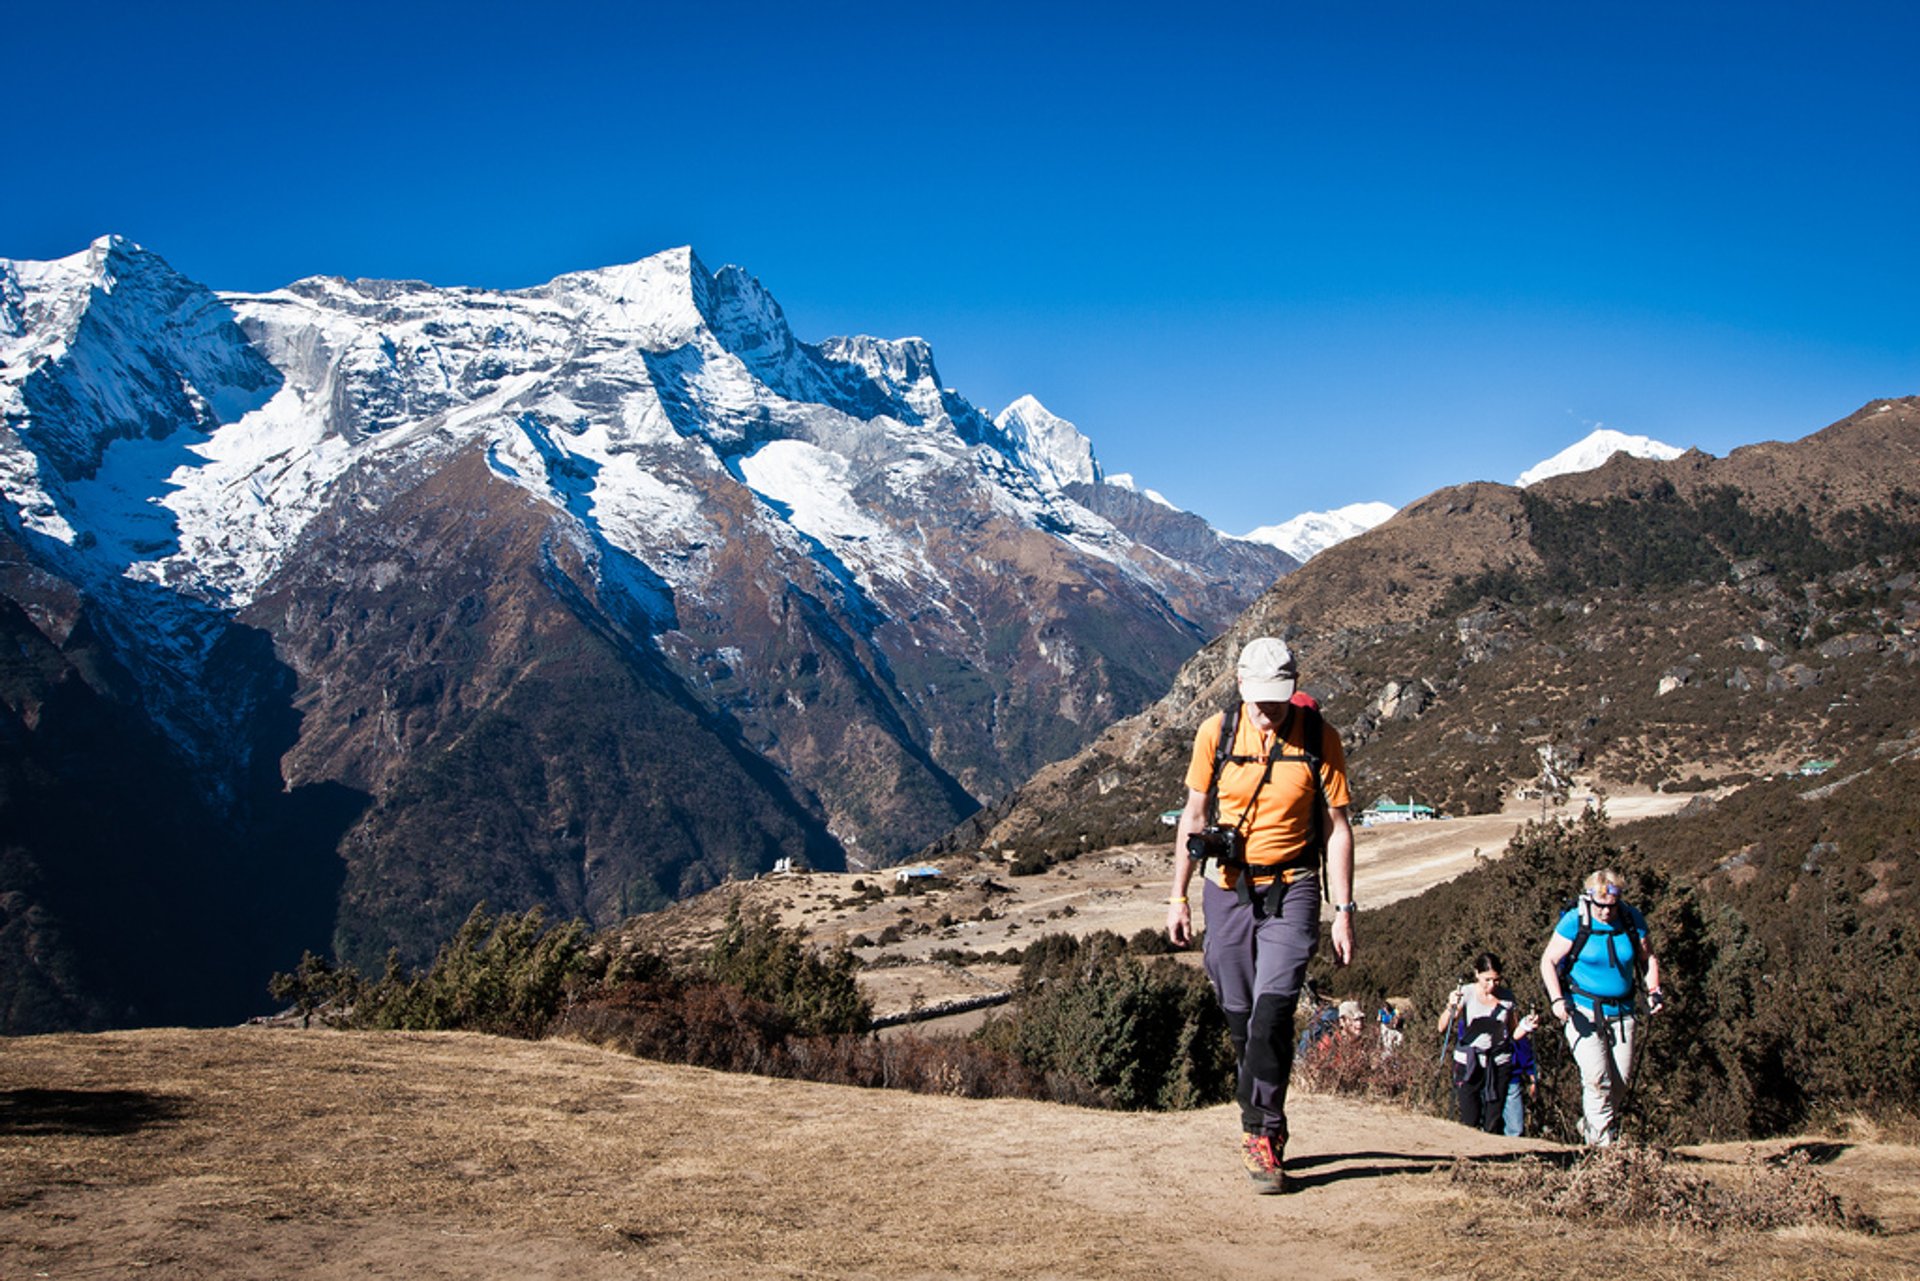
point(1172, 901)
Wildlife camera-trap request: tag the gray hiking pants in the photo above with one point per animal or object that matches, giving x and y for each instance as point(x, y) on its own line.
point(1603, 1086)
point(1257, 961)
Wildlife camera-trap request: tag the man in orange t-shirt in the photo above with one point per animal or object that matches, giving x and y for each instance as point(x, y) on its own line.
point(1261, 842)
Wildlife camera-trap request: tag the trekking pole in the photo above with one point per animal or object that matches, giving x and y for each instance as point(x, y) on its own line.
point(1447, 1039)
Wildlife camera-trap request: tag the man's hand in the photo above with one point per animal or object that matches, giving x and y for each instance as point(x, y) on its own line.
point(1343, 937)
point(1179, 924)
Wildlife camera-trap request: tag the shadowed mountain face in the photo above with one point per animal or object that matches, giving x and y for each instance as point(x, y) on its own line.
point(130, 891)
point(591, 595)
point(1664, 624)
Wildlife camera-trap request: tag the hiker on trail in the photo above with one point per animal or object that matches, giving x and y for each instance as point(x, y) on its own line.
point(1596, 958)
point(1331, 1029)
point(1391, 1032)
point(1521, 1086)
point(1483, 1027)
point(1319, 1025)
point(1266, 824)
point(1353, 1020)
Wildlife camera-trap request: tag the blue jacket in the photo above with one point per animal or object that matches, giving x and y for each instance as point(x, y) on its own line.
point(1604, 967)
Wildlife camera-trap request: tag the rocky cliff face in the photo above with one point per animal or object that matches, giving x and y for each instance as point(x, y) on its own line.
point(590, 595)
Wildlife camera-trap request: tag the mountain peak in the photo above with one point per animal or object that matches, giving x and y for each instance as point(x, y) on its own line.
point(1589, 453)
point(1053, 449)
point(1124, 480)
point(900, 364)
point(661, 300)
point(1310, 533)
point(98, 266)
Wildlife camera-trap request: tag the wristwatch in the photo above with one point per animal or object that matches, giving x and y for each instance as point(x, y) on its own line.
point(1348, 906)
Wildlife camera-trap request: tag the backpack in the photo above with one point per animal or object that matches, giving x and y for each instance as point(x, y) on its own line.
point(1313, 735)
point(1318, 1028)
point(1470, 1059)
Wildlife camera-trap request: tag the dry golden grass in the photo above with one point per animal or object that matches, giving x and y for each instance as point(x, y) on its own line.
point(259, 1152)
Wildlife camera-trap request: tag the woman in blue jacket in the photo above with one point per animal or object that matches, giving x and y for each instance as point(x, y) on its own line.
point(1594, 962)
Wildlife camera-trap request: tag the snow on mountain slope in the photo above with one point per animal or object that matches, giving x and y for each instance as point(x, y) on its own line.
point(174, 449)
point(634, 375)
point(1592, 451)
point(86, 369)
point(1124, 480)
point(1307, 535)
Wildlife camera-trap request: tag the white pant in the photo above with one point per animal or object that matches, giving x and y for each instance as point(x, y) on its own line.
point(1588, 1041)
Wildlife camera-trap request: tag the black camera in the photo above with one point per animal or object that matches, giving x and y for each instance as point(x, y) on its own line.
point(1223, 844)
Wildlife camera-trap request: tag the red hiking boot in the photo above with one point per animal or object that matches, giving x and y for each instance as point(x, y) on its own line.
point(1262, 1157)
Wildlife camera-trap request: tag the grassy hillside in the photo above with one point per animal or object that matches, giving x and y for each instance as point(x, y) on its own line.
point(1698, 625)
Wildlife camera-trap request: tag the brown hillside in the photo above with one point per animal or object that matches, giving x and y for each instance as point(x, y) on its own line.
point(268, 1153)
point(1630, 627)
point(1858, 461)
point(1400, 570)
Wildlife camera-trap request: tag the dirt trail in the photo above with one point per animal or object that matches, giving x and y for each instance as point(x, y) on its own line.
point(275, 1153)
point(1399, 860)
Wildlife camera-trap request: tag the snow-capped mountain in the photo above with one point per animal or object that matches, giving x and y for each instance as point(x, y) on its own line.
point(1594, 450)
point(1051, 447)
point(1056, 452)
point(589, 594)
point(1307, 535)
point(1124, 480)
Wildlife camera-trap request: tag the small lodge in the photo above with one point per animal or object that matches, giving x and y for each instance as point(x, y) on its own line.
point(1388, 811)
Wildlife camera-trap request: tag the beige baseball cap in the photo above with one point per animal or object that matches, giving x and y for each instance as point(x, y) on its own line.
point(1267, 672)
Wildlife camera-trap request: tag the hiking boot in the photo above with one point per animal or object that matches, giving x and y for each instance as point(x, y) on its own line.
point(1262, 1156)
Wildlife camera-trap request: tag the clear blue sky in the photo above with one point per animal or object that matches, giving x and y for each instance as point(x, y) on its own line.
point(1271, 258)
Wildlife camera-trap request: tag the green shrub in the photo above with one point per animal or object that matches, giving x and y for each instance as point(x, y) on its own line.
point(818, 993)
point(316, 986)
point(1150, 941)
point(507, 975)
point(1148, 1035)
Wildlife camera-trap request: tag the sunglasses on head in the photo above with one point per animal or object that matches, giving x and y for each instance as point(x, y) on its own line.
point(1611, 900)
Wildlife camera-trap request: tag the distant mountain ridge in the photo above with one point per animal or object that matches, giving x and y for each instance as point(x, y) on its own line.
point(1310, 533)
point(1648, 623)
point(592, 594)
point(1594, 450)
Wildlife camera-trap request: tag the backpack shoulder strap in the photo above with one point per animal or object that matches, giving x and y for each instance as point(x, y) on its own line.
point(1636, 950)
point(1582, 934)
point(1222, 750)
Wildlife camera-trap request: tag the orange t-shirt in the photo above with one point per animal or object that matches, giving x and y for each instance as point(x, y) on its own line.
point(1281, 823)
